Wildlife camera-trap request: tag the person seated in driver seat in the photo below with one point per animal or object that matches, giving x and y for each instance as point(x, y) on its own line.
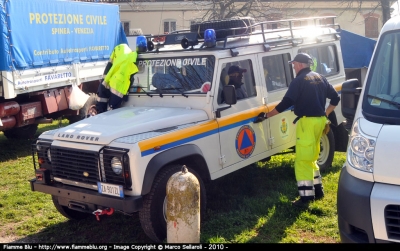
point(235, 74)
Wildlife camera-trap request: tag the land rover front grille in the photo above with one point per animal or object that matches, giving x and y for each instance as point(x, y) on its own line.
point(392, 221)
point(76, 165)
point(88, 166)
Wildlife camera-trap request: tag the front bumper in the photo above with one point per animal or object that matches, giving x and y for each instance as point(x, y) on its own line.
point(87, 200)
point(354, 210)
point(364, 207)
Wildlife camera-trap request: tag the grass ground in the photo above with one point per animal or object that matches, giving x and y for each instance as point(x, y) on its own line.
point(252, 205)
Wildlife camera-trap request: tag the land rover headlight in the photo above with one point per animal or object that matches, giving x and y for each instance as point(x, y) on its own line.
point(360, 154)
point(116, 165)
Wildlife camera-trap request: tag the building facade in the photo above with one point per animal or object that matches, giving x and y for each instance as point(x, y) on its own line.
point(163, 16)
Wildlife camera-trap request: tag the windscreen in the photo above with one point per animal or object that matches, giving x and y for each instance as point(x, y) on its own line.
point(168, 75)
point(383, 84)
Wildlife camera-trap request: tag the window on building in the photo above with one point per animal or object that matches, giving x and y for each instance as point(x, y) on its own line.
point(299, 23)
point(126, 27)
point(169, 26)
point(327, 21)
point(272, 26)
point(371, 26)
point(272, 17)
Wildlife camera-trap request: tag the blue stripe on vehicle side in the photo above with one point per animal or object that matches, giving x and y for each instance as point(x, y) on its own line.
point(196, 137)
point(180, 142)
point(237, 124)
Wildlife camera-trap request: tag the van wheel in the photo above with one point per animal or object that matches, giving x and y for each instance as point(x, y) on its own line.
point(153, 214)
point(327, 151)
point(88, 108)
point(24, 132)
point(69, 213)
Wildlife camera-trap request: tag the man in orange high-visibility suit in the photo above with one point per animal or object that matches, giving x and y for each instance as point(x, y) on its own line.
point(307, 93)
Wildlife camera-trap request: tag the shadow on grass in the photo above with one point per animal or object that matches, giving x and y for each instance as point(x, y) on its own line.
point(253, 198)
point(16, 148)
point(117, 228)
point(336, 166)
point(13, 149)
point(256, 198)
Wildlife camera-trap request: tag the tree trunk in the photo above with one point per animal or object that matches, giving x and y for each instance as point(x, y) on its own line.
point(385, 4)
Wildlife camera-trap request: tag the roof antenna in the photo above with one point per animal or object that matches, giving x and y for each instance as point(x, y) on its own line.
point(162, 10)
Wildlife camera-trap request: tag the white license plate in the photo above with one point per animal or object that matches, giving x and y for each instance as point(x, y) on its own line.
point(113, 190)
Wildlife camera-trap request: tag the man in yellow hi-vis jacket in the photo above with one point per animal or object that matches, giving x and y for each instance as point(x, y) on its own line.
point(119, 74)
point(307, 93)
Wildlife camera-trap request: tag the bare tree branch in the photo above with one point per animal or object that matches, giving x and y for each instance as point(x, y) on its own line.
point(261, 10)
point(223, 9)
point(356, 5)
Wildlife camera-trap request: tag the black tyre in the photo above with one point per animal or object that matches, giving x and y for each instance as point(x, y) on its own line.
point(222, 27)
point(266, 159)
point(152, 216)
point(88, 108)
point(25, 132)
point(327, 151)
point(69, 213)
point(341, 138)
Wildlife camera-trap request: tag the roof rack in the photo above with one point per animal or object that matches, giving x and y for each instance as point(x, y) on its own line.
point(271, 37)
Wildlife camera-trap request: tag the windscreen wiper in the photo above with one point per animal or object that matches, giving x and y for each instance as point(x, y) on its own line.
point(172, 88)
point(396, 104)
point(138, 86)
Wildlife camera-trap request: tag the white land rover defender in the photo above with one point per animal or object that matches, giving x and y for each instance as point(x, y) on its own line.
point(123, 158)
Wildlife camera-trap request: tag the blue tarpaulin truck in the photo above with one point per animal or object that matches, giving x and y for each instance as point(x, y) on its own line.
point(46, 47)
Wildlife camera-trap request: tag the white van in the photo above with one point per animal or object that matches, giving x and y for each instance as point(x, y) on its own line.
point(175, 115)
point(368, 201)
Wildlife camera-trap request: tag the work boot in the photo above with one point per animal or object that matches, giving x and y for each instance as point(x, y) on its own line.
point(319, 191)
point(303, 201)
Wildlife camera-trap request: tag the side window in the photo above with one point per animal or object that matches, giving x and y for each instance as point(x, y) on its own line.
point(384, 74)
point(325, 59)
point(277, 71)
point(241, 75)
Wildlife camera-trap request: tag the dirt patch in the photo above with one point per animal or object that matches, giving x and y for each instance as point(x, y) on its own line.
point(16, 239)
point(8, 239)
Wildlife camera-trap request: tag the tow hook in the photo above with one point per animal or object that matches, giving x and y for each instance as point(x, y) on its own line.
point(107, 211)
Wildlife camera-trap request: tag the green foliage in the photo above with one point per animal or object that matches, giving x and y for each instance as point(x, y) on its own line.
point(251, 205)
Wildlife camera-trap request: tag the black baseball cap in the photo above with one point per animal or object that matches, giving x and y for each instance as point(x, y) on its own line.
point(236, 68)
point(302, 58)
